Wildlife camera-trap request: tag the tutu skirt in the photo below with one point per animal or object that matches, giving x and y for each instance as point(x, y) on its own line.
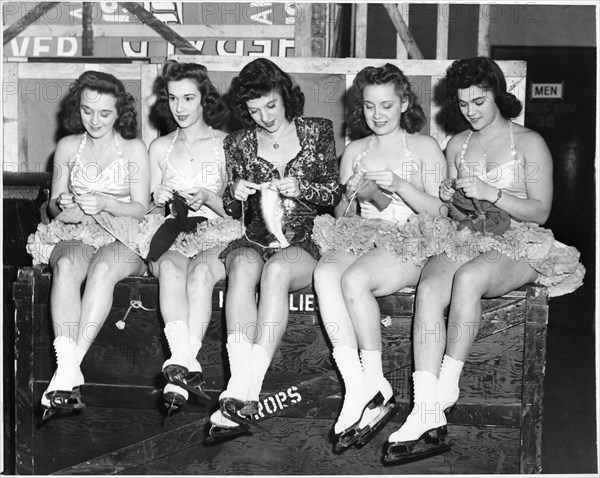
point(70, 225)
point(73, 225)
point(423, 236)
point(218, 232)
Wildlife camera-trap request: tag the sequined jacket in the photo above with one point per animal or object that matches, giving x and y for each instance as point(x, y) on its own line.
point(315, 167)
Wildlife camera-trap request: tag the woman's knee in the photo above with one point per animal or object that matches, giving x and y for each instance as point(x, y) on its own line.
point(203, 273)
point(68, 264)
point(354, 280)
point(327, 275)
point(277, 271)
point(469, 281)
point(167, 267)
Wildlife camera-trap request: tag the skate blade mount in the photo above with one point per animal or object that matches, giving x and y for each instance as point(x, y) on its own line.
point(66, 400)
point(190, 381)
point(193, 383)
point(349, 436)
point(217, 434)
point(430, 444)
point(231, 409)
point(62, 401)
point(367, 433)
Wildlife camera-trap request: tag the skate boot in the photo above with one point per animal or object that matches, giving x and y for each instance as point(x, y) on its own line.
point(176, 367)
point(424, 431)
point(64, 390)
point(448, 390)
point(374, 419)
point(233, 402)
point(174, 397)
point(358, 398)
point(222, 429)
point(259, 366)
point(182, 369)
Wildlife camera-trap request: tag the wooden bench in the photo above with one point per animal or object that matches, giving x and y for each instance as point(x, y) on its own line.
point(497, 424)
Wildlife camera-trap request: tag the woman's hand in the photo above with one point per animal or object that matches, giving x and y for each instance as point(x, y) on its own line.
point(352, 184)
point(65, 201)
point(199, 197)
point(447, 189)
point(387, 180)
point(91, 203)
point(473, 187)
point(241, 189)
point(162, 194)
point(288, 187)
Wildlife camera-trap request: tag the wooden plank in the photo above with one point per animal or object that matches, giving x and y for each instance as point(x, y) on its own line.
point(87, 36)
point(10, 118)
point(534, 366)
point(483, 31)
point(403, 31)
point(142, 452)
point(143, 32)
point(161, 28)
point(30, 17)
point(441, 39)
point(302, 31)
point(344, 66)
point(71, 71)
point(401, 51)
point(360, 30)
point(24, 296)
point(301, 447)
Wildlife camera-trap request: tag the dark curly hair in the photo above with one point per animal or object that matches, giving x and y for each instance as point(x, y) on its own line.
point(103, 83)
point(214, 110)
point(412, 119)
point(485, 73)
point(258, 78)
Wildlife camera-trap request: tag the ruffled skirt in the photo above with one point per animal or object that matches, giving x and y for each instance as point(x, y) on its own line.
point(423, 236)
point(218, 232)
point(73, 225)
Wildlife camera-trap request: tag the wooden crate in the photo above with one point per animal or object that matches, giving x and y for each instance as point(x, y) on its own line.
point(497, 425)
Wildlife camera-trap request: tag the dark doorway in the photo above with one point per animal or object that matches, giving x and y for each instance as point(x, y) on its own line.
point(568, 124)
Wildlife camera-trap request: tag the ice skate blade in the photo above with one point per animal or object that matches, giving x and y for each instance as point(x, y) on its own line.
point(51, 412)
point(218, 434)
point(66, 400)
point(348, 437)
point(431, 443)
point(366, 434)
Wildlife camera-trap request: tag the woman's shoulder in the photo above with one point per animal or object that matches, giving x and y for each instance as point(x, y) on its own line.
point(523, 133)
point(238, 137)
point(161, 144)
point(528, 140)
point(68, 146)
point(456, 142)
point(357, 146)
point(423, 146)
point(72, 141)
point(315, 122)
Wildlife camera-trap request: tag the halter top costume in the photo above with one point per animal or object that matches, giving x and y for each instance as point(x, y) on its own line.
point(209, 178)
point(112, 181)
point(397, 211)
point(508, 177)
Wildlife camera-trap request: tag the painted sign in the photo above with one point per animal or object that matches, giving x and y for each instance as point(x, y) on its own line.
point(547, 90)
point(213, 28)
